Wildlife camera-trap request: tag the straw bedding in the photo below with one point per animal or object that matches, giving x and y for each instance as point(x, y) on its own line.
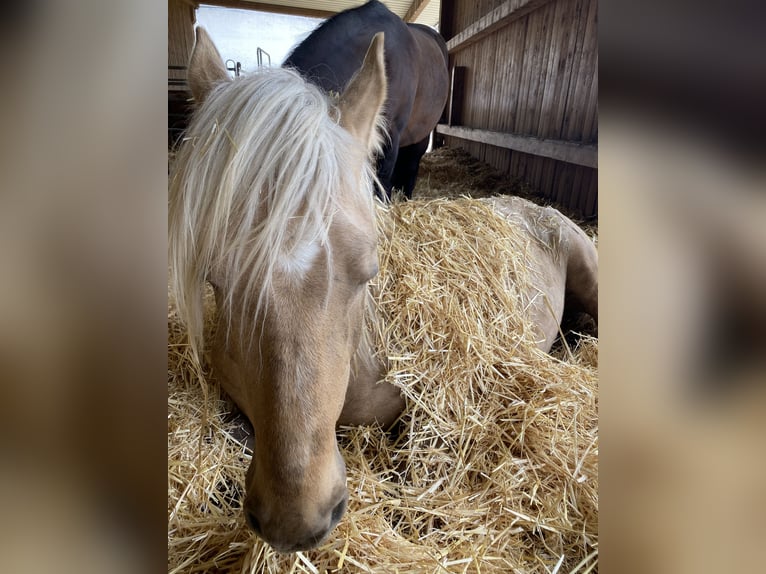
point(452, 172)
point(492, 468)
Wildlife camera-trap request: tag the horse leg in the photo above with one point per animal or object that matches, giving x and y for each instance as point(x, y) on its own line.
point(582, 271)
point(387, 162)
point(407, 165)
point(368, 398)
point(369, 402)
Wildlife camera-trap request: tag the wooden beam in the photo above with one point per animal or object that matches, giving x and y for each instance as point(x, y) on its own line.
point(569, 152)
point(263, 7)
point(501, 16)
point(415, 10)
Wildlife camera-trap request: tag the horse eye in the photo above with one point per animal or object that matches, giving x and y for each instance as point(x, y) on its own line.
point(362, 269)
point(372, 273)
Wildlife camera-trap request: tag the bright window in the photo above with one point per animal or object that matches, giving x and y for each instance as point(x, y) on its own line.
point(239, 33)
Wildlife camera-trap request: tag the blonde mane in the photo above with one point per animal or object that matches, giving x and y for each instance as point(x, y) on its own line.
point(257, 177)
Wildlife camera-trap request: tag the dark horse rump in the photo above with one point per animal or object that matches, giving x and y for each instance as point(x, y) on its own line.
point(416, 69)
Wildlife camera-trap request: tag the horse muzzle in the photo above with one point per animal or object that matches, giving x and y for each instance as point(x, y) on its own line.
point(287, 532)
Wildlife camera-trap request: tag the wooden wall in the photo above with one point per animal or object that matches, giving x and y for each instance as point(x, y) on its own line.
point(528, 101)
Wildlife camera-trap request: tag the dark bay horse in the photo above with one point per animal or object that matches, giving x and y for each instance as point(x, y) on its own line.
point(416, 71)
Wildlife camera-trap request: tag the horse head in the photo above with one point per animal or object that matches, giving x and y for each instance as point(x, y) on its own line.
point(272, 204)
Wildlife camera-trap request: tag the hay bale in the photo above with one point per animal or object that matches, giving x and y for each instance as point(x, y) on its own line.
point(494, 467)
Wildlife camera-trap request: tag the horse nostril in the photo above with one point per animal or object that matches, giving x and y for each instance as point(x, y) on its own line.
point(253, 522)
point(337, 512)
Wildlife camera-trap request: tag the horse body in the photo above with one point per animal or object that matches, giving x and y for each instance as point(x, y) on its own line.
point(416, 74)
point(562, 258)
point(271, 202)
point(563, 263)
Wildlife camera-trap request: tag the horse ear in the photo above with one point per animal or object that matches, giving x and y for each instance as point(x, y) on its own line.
point(362, 102)
point(206, 68)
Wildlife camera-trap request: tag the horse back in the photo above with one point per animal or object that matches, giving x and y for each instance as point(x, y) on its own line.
point(331, 55)
point(414, 55)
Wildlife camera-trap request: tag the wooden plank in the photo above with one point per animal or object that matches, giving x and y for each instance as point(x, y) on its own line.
point(504, 95)
point(540, 73)
point(577, 187)
point(565, 173)
point(529, 77)
point(486, 54)
point(571, 113)
point(263, 7)
point(586, 184)
point(500, 101)
point(547, 173)
point(516, 168)
point(501, 16)
point(581, 127)
point(501, 96)
point(526, 163)
point(590, 123)
point(591, 206)
point(558, 177)
point(533, 171)
point(470, 107)
point(415, 10)
point(516, 35)
point(552, 55)
point(579, 154)
point(567, 34)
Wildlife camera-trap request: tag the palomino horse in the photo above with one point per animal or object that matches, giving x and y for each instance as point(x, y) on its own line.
point(271, 202)
point(416, 71)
